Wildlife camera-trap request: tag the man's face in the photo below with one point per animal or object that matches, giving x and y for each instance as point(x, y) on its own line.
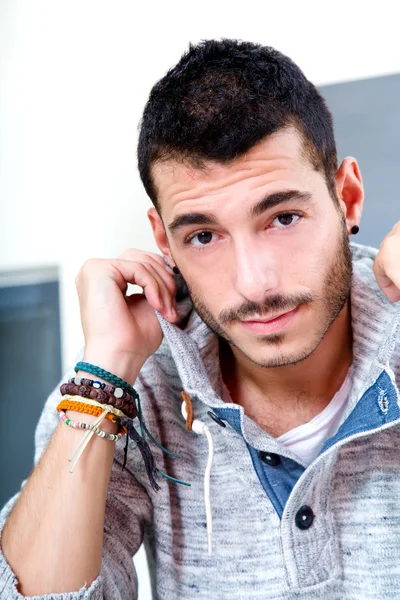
point(290, 257)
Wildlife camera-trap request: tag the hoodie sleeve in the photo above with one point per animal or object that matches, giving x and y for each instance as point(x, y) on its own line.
point(128, 510)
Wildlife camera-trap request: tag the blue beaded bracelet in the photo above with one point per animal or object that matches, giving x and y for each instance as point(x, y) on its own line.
point(107, 376)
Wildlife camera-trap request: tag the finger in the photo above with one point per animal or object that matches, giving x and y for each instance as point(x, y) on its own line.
point(135, 272)
point(168, 298)
point(391, 278)
point(380, 269)
point(392, 292)
point(136, 254)
point(122, 272)
point(164, 299)
point(165, 275)
point(395, 231)
point(386, 269)
point(157, 261)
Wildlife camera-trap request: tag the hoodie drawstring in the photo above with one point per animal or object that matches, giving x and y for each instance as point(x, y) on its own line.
point(201, 428)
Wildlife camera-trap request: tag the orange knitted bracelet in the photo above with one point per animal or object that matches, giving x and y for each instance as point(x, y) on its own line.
point(82, 407)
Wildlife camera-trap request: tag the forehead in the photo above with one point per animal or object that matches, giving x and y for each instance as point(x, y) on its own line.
point(280, 158)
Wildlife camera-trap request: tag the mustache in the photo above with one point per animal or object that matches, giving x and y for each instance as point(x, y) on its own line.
point(271, 305)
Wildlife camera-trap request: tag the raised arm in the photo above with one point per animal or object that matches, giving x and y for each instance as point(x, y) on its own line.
point(62, 523)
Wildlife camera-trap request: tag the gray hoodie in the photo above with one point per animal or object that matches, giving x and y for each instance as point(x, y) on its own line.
point(281, 530)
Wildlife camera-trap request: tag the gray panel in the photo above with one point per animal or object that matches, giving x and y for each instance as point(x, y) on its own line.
point(367, 125)
point(30, 367)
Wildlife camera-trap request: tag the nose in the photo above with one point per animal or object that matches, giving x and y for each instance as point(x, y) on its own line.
point(256, 271)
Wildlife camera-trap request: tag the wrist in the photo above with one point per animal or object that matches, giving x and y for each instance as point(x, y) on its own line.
point(123, 365)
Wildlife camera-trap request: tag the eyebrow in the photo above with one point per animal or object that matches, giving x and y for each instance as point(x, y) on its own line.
point(256, 210)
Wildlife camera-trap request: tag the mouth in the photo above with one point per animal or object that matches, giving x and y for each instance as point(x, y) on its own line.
point(273, 324)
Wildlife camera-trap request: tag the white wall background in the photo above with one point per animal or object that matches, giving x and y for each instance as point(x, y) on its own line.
point(74, 76)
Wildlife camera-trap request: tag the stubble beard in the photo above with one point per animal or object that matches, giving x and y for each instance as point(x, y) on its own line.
point(335, 294)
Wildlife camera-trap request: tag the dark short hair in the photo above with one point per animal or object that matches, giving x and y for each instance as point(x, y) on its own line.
point(224, 96)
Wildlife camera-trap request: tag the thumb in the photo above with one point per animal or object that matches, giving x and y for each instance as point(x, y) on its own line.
point(386, 269)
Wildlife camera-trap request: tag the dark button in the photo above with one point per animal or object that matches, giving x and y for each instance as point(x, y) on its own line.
point(304, 517)
point(273, 460)
point(216, 419)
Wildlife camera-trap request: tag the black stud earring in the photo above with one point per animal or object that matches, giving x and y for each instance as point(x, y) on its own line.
point(175, 270)
point(355, 229)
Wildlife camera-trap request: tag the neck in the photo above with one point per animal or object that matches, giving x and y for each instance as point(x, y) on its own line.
point(287, 396)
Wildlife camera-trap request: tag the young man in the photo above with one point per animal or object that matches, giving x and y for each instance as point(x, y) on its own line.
point(274, 326)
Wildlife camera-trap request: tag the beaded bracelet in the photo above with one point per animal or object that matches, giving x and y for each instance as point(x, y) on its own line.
point(99, 395)
point(96, 394)
point(83, 407)
point(118, 392)
point(89, 403)
point(106, 375)
point(80, 425)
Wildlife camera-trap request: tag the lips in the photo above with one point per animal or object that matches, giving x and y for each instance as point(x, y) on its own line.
point(273, 324)
point(266, 320)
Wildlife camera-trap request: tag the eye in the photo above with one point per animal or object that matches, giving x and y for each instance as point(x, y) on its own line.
point(204, 238)
point(286, 219)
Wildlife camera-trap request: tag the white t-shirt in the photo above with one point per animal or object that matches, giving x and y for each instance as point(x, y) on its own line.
point(307, 440)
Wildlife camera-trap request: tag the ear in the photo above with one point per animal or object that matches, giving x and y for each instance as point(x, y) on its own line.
point(160, 236)
point(350, 191)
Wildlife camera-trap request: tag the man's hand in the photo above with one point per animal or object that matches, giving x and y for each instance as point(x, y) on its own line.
point(121, 332)
point(387, 264)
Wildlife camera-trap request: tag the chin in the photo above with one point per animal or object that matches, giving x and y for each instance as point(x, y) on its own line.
point(276, 351)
